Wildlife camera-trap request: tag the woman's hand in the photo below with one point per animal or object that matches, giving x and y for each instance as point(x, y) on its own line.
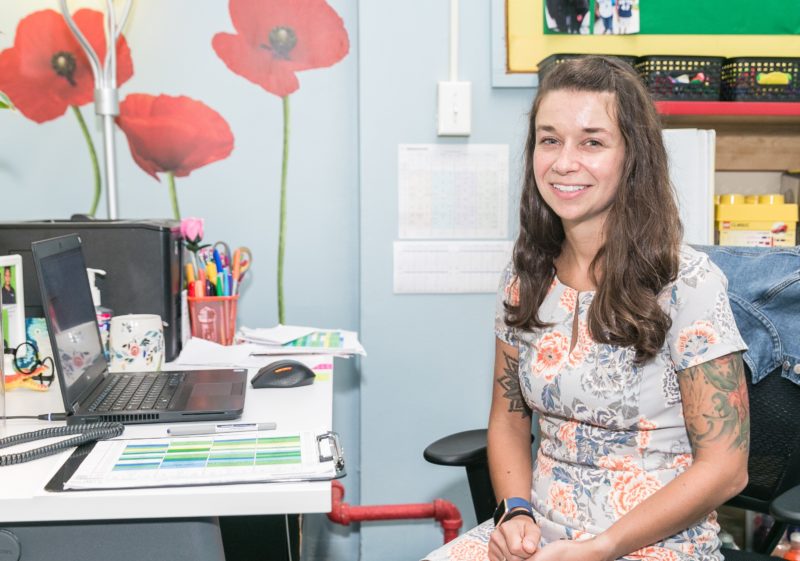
point(515, 540)
point(569, 550)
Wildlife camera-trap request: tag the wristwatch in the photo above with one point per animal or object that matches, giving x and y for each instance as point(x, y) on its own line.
point(503, 510)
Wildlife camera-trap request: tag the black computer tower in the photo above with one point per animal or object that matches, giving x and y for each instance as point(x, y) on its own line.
point(143, 260)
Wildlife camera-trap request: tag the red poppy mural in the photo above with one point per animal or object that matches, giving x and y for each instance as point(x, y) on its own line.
point(46, 71)
point(275, 39)
point(173, 135)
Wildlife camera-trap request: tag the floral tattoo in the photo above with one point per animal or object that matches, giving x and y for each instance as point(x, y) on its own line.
point(509, 381)
point(717, 407)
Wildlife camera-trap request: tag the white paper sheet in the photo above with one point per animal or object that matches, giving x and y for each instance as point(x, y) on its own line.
point(449, 267)
point(453, 191)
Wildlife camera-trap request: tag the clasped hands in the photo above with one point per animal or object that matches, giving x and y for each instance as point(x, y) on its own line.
point(518, 540)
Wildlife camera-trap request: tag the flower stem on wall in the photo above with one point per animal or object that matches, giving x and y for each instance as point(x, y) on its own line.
point(93, 155)
point(282, 233)
point(173, 196)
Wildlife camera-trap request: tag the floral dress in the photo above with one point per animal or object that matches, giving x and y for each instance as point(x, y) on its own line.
point(612, 432)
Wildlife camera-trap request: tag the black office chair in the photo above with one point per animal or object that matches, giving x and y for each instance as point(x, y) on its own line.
point(773, 467)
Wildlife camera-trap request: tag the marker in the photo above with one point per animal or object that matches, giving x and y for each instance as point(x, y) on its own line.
point(219, 429)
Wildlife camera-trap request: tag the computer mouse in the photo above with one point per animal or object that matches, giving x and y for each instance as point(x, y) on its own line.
point(283, 374)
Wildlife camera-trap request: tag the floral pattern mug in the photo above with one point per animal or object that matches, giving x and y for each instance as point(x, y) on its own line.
point(136, 343)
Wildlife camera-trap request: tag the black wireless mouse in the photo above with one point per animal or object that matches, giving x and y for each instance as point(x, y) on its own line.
point(283, 374)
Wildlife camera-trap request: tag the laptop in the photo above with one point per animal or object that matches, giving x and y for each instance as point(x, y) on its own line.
point(90, 392)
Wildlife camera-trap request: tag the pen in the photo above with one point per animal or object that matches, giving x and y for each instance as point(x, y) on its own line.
point(219, 429)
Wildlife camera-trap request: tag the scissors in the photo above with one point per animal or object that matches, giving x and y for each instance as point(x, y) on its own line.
point(242, 259)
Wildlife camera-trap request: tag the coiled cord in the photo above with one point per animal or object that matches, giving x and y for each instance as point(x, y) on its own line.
point(86, 433)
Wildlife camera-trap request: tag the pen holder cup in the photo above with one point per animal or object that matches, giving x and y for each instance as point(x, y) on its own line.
point(214, 318)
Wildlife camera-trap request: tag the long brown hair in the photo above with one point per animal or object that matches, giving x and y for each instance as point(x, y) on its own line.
point(642, 232)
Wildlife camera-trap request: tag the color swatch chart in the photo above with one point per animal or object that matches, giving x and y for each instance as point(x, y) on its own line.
point(202, 460)
point(210, 452)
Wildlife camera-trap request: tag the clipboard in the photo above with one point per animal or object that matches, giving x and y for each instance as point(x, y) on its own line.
point(328, 464)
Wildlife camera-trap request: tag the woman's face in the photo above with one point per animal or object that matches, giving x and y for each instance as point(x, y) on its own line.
point(578, 156)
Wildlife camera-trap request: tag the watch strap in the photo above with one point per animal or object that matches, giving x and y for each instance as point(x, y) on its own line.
point(515, 513)
point(509, 504)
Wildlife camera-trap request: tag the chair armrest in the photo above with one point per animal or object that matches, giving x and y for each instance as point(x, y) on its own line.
point(460, 449)
point(786, 507)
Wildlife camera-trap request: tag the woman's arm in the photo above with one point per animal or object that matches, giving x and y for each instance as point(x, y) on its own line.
point(509, 451)
point(717, 415)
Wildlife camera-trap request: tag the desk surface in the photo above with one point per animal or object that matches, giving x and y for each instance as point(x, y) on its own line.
point(23, 498)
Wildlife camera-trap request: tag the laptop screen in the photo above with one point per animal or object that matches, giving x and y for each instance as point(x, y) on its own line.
point(68, 307)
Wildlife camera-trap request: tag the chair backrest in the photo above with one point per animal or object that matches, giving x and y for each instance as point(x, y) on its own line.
point(774, 463)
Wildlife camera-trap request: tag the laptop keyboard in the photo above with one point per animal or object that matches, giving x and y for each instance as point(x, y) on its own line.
point(131, 392)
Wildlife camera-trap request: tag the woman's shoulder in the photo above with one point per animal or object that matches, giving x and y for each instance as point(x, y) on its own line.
point(695, 266)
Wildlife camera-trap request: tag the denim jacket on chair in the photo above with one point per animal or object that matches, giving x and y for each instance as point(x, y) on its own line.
point(764, 291)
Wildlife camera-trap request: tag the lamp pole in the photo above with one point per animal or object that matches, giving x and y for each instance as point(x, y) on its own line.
point(106, 98)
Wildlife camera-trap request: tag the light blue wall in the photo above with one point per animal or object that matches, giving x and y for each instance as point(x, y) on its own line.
point(430, 356)
point(429, 364)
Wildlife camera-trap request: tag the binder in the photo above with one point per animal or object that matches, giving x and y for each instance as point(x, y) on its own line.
point(214, 459)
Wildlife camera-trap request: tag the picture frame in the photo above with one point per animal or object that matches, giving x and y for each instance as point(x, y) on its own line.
point(12, 299)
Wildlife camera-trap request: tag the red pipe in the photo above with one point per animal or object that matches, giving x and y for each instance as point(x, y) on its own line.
point(444, 512)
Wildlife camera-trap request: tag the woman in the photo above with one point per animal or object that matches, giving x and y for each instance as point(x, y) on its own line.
point(619, 338)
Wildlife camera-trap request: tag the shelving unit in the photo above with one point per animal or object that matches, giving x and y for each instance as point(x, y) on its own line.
point(762, 136)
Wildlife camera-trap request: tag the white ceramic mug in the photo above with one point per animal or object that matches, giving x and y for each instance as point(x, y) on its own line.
point(136, 343)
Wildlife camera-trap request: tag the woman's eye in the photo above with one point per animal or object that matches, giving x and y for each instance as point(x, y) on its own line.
point(594, 142)
point(547, 140)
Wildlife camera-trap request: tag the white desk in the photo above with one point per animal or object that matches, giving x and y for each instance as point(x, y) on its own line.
point(23, 498)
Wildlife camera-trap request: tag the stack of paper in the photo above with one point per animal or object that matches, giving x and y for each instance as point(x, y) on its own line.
point(288, 340)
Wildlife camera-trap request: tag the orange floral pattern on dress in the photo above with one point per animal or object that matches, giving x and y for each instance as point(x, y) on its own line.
point(544, 464)
point(653, 553)
point(551, 351)
point(681, 462)
point(629, 489)
point(693, 342)
point(468, 550)
point(620, 463)
point(566, 434)
point(568, 299)
point(512, 292)
point(643, 436)
point(562, 500)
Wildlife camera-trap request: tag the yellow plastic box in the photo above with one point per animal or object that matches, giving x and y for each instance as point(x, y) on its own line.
point(755, 221)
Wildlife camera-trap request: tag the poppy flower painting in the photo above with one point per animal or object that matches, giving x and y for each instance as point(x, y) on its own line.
point(274, 40)
point(173, 135)
point(277, 38)
point(46, 71)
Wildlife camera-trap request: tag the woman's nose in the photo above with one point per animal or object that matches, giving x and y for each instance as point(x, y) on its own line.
point(566, 161)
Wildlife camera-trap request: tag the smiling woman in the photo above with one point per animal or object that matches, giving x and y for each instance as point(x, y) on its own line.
point(618, 338)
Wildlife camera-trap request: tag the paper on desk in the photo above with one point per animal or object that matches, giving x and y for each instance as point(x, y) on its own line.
point(205, 460)
point(199, 352)
point(278, 335)
point(335, 342)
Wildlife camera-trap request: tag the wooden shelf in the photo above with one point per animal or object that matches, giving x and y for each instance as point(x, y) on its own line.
point(751, 135)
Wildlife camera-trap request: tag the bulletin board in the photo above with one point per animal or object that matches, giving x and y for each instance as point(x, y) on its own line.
point(726, 28)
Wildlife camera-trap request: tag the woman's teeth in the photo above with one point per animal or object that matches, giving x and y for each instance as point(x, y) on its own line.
point(569, 188)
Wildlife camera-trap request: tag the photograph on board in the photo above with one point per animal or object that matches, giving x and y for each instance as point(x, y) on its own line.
point(616, 17)
point(12, 301)
point(567, 16)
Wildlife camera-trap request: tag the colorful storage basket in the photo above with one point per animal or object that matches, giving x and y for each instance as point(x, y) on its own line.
point(681, 78)
point(761, 79)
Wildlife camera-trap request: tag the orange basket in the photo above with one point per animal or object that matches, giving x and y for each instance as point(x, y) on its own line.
point(214, 318)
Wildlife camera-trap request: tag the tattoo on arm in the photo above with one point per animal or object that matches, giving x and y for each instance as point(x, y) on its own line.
point(718, 408)
point(509, 381)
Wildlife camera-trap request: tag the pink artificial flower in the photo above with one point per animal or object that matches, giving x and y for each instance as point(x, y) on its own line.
point(192, 229)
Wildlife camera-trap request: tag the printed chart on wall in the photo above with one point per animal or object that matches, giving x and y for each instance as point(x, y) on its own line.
point(453, 191)
point(205, 460)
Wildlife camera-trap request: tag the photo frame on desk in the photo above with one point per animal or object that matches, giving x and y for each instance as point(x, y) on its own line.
point(13, 300)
